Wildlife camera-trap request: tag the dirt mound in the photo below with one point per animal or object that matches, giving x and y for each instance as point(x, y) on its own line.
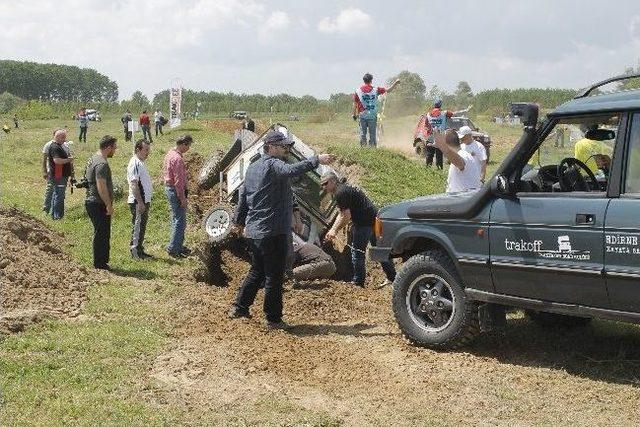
point(38, 280)
point(223, 125)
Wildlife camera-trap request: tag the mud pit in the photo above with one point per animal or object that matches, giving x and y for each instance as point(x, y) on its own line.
point(345, 359)
point(38, 280)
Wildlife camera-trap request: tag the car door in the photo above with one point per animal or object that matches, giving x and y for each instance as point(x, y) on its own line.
point(548, 244)
point(549, 247)
point(622, 234)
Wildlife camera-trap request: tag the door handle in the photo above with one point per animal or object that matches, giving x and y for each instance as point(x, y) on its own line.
point(588, 219)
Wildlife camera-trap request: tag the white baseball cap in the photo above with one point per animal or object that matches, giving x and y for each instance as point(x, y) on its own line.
point(464, 131)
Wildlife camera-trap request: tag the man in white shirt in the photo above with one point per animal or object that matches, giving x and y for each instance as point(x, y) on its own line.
point(474, 147)
point(140, 189)
point(157, 120)
point(464, 171)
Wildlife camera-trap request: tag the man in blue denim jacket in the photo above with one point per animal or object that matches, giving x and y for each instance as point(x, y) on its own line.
point(264, 211)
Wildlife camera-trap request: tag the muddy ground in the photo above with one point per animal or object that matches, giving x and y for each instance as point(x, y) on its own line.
point(37, 279)
point(345, 357)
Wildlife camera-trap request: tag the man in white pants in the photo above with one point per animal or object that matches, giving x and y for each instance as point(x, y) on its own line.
point(140, 189)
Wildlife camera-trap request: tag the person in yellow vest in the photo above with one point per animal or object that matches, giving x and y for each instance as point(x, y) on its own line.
point(595, 154)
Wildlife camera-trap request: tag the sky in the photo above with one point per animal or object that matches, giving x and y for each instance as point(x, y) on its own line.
point(318, 48)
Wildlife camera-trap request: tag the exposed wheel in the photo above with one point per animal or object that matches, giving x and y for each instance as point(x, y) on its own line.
point(217, 223)
point(430, 304)
point(210, 171)
point(550, 320)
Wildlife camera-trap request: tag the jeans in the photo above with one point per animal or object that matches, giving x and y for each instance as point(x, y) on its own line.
point(360, 236)
point(83, 133)
point(430, 152)
point(146, 133)
point(57, 199)
point(127, 134)
point(267, 266)
point(101, 232)
point(48, 195)
point(178, 221)
point(139, 223)
point(370, 125)
point(159, 128)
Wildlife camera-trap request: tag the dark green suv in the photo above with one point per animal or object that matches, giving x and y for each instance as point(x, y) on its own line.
point(555, 231)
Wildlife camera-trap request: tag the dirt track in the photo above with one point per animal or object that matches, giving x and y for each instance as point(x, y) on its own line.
point(38, 280)
point(345, 356)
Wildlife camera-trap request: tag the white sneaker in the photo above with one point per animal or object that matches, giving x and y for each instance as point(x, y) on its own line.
point(386, 282)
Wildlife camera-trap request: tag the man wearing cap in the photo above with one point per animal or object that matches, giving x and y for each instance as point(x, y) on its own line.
point(365, 108)
point(438, 122)
point(477, 150)
point(356, 207)
point(264, 211)
point(464, 170)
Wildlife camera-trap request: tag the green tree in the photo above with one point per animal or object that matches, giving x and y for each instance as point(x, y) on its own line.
point(409, 96)
point(633, 83)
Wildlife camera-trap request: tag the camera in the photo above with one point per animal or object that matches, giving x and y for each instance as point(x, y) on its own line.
point(83, 183)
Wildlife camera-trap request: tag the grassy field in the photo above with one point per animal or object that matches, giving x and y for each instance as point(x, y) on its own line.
point(94, 370)
point(90, 371)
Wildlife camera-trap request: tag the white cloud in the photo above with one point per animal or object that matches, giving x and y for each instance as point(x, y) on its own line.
point(349, 21)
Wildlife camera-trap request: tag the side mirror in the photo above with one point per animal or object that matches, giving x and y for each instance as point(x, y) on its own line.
point(501, 186)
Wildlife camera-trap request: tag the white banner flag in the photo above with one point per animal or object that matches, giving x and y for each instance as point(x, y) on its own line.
point(175, 102)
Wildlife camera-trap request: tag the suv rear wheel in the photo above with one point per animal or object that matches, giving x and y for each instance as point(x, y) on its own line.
point(430, 304)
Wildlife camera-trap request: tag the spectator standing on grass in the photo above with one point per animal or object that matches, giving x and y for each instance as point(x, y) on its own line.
point(477, 150)
point(438, 120)
point(46, 172)
point(365, 108)
point(15, 121)
point(264, 212)
point(145, 124)
point(175, 184)
point(83, 121)
point(99, 200)
point(464, 171)
point(60, 169)
point(126, 118)
point(139, 200)
point(357, 208)
point(157, 120)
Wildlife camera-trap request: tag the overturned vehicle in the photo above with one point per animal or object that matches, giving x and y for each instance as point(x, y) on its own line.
point(227, 170)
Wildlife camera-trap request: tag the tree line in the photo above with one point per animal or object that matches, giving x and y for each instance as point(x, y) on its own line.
point(55, 83)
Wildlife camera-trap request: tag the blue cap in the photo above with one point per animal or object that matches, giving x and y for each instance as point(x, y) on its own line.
point(274, 137)
point(437, 103)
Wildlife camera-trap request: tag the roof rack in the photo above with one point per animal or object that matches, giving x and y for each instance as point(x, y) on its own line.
point(585, 92)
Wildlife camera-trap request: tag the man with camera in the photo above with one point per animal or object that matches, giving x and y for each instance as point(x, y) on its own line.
point(140, 189)
point(59, 170)
point(99, 200)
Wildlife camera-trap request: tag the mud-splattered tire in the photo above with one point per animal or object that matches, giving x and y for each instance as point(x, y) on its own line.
point(218, 224)
point(553, 320)
point(210, 172)
point(430, 304)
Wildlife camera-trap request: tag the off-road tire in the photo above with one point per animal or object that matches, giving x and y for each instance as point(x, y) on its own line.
point(226, 233)
point(463, 325)
point(210, 172)
point(553, 320)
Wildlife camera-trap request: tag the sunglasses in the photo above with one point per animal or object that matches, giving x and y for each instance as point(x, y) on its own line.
point(324, 184)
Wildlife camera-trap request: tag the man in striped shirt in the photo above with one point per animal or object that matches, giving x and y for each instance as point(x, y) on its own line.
point(175, 184)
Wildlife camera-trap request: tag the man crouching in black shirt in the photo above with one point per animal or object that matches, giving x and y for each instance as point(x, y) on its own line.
point(355, 206)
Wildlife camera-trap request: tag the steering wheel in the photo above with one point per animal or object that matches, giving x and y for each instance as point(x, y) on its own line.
point(570, 178)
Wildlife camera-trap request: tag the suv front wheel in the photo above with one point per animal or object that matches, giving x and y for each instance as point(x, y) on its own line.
point(430, 304)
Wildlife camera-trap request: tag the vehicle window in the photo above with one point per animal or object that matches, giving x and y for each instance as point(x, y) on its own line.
point(574, 156)
point(632, 180)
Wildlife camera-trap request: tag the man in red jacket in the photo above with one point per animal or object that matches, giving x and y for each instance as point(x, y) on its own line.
point(145, 124)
